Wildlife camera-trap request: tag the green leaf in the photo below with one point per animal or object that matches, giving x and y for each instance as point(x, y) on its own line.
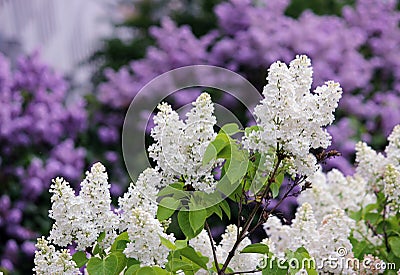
point(256, 248)
point(303, 258)
point(197, 218)
point(80, 258)
point(132, 269)
point(279, 179)
point(121, 261)
point(175, 189)
point(159, 270)
point(180, 244)
point(230, 128)
point(120, 242)
point(361, 248)
point(210, 154)
point(146, 271)
point(121, 245)
point(215, 209)
point(167, 243)
point(176, 265)
point(192, 255)
point(355, 215)
point(132, 261)
point(236, 170)
point(225, 153)
point(166, 208)
point(394, 243)
point(221, 141)
point(372, 217)
point(184, 224)
point(275, 186)
point(97, 250)
point(225, 207)
point(101, 237)
point(250, 129)
point(369, 208)
point(107, 266)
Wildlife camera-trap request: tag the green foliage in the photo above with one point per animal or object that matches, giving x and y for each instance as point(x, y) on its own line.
point(167, 207)
point(304, 258)
point(394, 243)
point(197, 216)
point(185, 226)
point(107, 266)
point(147, 270)
point(183, 257)
point(80, 258)
point(230, 129)
point(120, 242)
point(386, 226)
point(276, 185)
point(189, 253)
point(256, 248)
point(321, 7)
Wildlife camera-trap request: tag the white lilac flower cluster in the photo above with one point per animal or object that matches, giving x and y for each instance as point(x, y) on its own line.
point(322, 241)
point(81, 219)
point(292, 117)
point(239, 262)
point(179, 145)
point(382, 173)
point(49, 261)
point(138, 209)
point(335, 191)
point(375, 172)
point(145, 231)
point(142, 194)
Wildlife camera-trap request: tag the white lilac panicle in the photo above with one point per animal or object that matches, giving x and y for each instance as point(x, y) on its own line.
point(142, 194)
point(84, 217)
point(392, 173)
point(382, 173)
point(144, 232)
point(334, 190)
point(370, 165)
point(179, 146)
point(393, 148)
point(292, 116)
point(239, 262)
point(333, 233)
point(391, 178)
point(48, 261)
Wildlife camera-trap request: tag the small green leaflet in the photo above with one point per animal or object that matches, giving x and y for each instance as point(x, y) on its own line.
point(256, 248)
point(230, 129)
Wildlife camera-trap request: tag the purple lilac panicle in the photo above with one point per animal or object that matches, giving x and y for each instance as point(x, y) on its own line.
point(38, 132)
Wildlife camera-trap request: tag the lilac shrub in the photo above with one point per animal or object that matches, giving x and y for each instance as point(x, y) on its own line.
point(344, 225)
point(38, 140)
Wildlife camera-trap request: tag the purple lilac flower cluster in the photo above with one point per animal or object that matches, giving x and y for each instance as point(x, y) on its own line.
point(38, 133)
point(359, 50)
